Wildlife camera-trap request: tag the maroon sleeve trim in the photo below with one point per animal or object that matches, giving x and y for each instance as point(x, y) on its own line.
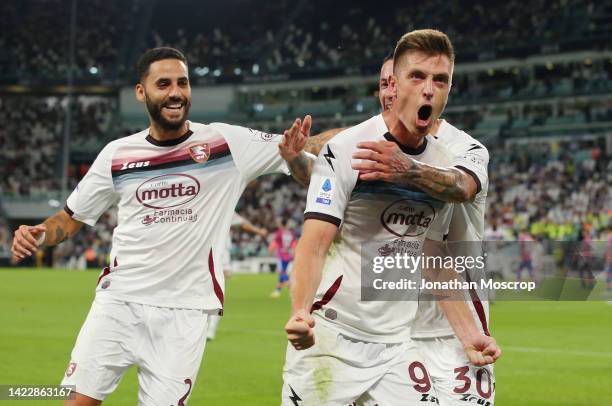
point(473, 175)
point(67, 210)
point(323, 217)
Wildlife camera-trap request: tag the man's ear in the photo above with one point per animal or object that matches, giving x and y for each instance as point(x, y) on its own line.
point(140, 93)
point(392, 83)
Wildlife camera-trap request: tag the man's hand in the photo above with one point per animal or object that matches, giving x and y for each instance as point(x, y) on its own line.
point(300, 332)
point(295, 138)
point(482, 350)
point(25, 241)
point(382, 160)
point(262, 232)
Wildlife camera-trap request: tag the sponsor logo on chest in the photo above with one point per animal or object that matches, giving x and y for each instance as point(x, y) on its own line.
point(165, 191)
point(408, 217)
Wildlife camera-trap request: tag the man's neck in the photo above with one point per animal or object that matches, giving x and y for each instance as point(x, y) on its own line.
point(399, 131)
point(162, 134)
point(436, 127)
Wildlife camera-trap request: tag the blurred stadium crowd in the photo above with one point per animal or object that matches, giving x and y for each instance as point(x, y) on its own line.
point(544, 122)
point(223, 43)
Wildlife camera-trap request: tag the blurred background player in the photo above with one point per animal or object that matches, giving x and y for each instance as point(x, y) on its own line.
point(526, 244)
point(238, 222)
point(494, 239)
point(584, 261)
point(283, 246)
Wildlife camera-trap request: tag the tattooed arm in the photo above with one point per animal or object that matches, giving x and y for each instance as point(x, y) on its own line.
point(384, 160)
point(52, 231)
point(301, 167)
point(60, 227)
point(299, 150)
point(316, 142)
point(446, 184)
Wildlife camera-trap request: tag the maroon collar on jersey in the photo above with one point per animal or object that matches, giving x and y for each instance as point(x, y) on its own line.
point(169, 143)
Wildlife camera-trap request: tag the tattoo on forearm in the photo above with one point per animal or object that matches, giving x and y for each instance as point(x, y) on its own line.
point(60, 235)
point(316, 142)
point(301, 169)
point(445, 184)
point(58, 230)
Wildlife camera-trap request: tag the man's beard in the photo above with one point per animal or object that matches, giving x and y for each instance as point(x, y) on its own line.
point(156, 114)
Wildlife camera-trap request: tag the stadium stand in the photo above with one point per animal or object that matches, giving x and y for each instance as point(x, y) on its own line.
point(37, 49)
point(544, 111)
point(312, 41)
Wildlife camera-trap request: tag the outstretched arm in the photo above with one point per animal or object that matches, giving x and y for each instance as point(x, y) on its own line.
point(249, 227)
point(51, 232)
point(299, 149)
point(292, 150)
point(316, 142)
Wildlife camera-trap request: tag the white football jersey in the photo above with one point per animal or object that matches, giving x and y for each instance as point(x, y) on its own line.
point(393, 218)
point(175, 201)
point(467, 224)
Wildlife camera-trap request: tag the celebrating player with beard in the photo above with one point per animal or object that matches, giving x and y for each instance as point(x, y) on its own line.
point(176, 185)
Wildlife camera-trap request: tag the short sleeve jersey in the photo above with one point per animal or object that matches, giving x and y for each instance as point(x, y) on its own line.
point(175, 201)
point(387, 215)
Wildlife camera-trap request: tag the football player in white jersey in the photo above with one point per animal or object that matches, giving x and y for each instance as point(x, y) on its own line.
point(465, 182)
point(176, 185)
point(363, 347)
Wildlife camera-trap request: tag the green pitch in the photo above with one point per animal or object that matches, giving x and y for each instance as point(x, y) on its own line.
point(555, 353)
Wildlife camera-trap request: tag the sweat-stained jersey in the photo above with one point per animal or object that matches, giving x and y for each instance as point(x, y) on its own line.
point(467, 224)
point(175, 201)
point(395, 219)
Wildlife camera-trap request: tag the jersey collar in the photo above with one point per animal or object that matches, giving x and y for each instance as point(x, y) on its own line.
point(405, 149)
point(169, 143)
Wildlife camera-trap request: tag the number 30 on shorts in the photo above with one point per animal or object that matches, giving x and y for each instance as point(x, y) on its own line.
point(462, 375)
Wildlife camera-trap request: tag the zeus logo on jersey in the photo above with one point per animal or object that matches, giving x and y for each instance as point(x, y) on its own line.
point(408, 217)
point(426, 397)
point(466, 397)
point(324, 196)
point(131, 165)
point(165, 191)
